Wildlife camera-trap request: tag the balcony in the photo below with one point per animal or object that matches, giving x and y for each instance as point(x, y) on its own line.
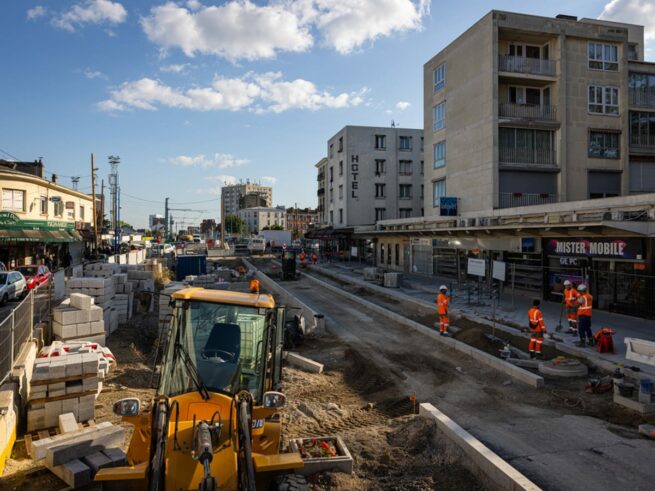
point(511, 200)
point(643, 97)
point(528, 66)
point(642, 144)
point(321, 176)
point(532, 112)
point(518, 156)
point(321, 191)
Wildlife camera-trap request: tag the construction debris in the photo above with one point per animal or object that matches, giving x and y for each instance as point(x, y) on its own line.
point(304, 363)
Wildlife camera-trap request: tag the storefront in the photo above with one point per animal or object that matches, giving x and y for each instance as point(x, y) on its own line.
point(618, 271)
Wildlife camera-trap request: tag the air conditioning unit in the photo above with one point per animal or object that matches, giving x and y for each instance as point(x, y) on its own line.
point(482, 222)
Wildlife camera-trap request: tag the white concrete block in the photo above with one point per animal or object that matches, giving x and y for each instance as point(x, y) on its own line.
point(80, 301)
point(97, 327)
point(95, 313)
point(83, 316)
point(73, 364)
point(64, 316)
point(67, 423)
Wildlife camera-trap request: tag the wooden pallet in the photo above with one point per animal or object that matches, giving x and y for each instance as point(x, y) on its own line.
point(47, 433)
point(73, 378)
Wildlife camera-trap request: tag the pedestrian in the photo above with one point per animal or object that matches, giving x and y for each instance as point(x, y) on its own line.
point(570, 300)
point(314, 258)
point(585, 302)
point(67, 260)
point(442, 310)
point(537, 329)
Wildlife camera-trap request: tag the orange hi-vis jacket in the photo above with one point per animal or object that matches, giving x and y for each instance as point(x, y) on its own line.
point(442, 304)
point(571, 296)
point(585, 303)
point(536, 319)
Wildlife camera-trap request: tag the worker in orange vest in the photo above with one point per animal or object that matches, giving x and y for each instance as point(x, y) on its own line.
point(537, 329)
point(254, 285)
point(302, 256)
point(442, 302)
point(585, 302)
point(571, 301)
point(314, 258)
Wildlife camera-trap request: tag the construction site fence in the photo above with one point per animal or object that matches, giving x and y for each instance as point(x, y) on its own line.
point(18, 326)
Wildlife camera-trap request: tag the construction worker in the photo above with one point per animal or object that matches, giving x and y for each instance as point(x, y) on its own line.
point(442, 309)
point(537, 329)
point(254, 285)
point(571, 301)
point(314, 258)
point(585, 301)
point(302, 256)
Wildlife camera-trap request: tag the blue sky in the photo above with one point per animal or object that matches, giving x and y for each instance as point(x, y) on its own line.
point(191, 94)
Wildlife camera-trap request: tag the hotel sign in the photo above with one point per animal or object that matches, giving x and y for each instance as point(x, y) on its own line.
point(8, 218)
point(605, 248)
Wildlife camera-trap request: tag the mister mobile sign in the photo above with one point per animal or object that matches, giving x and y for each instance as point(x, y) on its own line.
point(600, 247)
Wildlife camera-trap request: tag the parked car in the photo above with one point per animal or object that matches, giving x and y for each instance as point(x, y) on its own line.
point(35, 275)
point(12, 286)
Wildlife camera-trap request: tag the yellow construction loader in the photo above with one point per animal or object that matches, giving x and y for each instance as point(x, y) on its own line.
point(214, 423)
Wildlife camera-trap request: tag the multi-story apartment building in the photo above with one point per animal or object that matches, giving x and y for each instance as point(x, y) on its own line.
point(372, 174)
point(321, 168)
point(156, 222)
point(233, 196)
point(299, 220)
point(524, 110)
point(259, 217)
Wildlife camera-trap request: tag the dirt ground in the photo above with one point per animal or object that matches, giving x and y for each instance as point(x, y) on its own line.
point(392, 448)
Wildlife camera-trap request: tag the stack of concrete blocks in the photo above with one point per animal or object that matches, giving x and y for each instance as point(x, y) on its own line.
point(101, 288)
point(66, 383)
point(124, 298)
point(203, 281)
point(165, 310)
point(78, 318)
point(143, 280)
point(76, 454)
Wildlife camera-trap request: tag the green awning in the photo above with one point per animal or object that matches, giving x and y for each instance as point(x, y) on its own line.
point(27, 235)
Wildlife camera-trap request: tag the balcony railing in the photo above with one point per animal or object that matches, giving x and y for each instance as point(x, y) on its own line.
point(510, 200)
point(527, 111)
point(321, 191)
point(642, 97)
point(642, 143)
point(526, 155)
point(530, 66)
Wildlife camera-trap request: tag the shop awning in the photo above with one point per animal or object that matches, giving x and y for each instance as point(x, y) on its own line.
point(45, 236)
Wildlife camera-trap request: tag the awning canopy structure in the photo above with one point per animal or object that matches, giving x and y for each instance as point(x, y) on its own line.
point(45, 236)
point(329, 233)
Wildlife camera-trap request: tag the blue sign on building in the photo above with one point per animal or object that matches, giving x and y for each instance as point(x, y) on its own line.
point(448, 206)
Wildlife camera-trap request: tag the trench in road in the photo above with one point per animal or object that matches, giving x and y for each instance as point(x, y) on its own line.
point(556, 446)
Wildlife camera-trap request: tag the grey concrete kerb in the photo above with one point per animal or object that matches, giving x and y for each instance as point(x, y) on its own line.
point(515, 372)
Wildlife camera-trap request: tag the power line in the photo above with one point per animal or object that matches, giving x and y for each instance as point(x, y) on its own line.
point(9, 155)
point(142, 199)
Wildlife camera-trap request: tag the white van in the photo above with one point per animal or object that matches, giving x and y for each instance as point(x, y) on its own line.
point(257, 245)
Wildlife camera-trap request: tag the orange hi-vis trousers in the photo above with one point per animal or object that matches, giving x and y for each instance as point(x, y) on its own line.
point(536, 340)
point(444, 322)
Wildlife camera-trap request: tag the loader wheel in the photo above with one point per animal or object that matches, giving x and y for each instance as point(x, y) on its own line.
point(291, 482)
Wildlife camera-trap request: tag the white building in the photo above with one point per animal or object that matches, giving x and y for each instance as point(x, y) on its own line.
point(260, 217)
point(372, 174)
point(156, 222)
point(232, 196)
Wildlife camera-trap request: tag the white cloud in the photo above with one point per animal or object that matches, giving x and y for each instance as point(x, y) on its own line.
point(266, 92)
point(402, 105)
point(175, 68)
point(94, 74)
point(241, 29)
point(90, 12)
point(216, 191)
point(640, 12)
point(269, 179)
point(36, 12)
point(219, 160)
point(234, 30)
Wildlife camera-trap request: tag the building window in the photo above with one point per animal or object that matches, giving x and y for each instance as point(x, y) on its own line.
point(340, 144)
point(405, 143)
point(632, 52)
point(340, 215)
point(13, 199)
point(379, 167)
point(389, 254)
point(331, 149)
point(340, 191)
point(381, 253)
point(331, 173)
point(439, 116)
point(422, 167)
point(405, 213)
point(405, 191)
point(44, 205)
point(59, 209)
point(379, 214)
point(331, 217)
point(438, 192)
point(603, 184)
point(331, 192)
point(81, 213)
point(440, 154)
point(440, 77)
point(604, 145)
point(603, 100)
point(405, 168)
point(642, 177)
point(422, 188)
point(422, 141)
point(341, 167)
point(397, 254)
point(642, 129)
point(380, 142)
point(379, 190)
point(603, 56)
point(525, 95)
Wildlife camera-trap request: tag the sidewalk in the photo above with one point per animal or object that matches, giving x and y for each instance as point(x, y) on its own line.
point(425, 288)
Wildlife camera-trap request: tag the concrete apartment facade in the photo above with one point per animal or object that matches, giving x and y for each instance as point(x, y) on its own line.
point(371, 174)
point(258, 218)
point(233, 195)
point(537, 110)
point(300, 220)
point(321, 173)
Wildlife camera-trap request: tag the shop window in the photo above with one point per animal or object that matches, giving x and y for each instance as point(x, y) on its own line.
point(397, 254)
point(13, 200)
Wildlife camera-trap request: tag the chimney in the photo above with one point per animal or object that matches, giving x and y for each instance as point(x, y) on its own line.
point(54, 179)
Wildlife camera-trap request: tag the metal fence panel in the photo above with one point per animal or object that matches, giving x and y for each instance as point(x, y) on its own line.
point(6, 345)
point(22, 323)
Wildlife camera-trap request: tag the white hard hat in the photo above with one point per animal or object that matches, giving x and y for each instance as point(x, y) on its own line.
point(567, 283)
point(443, 287)
point(582, 287)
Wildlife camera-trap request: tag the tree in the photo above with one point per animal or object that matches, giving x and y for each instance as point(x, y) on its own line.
point(277, 227)
point(235, 225)
point(123, 224)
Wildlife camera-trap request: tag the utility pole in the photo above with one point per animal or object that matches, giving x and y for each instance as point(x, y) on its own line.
point(114, 160)
point(95, 209)
point(222, 220)
point(102, 205)
point(166, 220)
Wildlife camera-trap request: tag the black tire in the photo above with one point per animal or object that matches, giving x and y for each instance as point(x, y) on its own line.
point(291, 482)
